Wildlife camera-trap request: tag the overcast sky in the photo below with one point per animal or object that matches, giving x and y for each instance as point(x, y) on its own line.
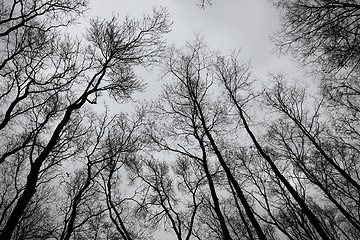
point(226, 25)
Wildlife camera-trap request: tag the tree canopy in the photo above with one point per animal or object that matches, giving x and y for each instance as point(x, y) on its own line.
point(216, 156)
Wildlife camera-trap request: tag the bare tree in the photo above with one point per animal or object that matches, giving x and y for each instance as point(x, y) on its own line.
point(200, 129)
point(47, 85)
point(324, 31)
point(235, 78)
point(204, 3)
point(123, 146)
point(325, 160)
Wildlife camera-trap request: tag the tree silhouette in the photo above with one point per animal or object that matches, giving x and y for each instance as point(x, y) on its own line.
point(48, 81)
point(216, 156)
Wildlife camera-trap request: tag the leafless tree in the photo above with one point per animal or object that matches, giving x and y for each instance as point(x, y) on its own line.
point(204, 3)
point(324, 31)
point(324, 159)
point(124, 144)
point(198, 127)
point(234, 79)
point(49, 80)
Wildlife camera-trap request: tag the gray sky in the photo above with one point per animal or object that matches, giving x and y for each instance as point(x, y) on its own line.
point(226, 25)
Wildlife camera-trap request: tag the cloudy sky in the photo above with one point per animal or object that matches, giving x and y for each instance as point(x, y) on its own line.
point(226, 25)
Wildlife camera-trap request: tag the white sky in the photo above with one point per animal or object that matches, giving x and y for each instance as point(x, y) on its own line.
point(226, 25)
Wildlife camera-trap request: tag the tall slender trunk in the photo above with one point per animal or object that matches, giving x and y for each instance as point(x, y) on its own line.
point(310, 215)
point(32, 178)
point(228, 173)
point(214, 196)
